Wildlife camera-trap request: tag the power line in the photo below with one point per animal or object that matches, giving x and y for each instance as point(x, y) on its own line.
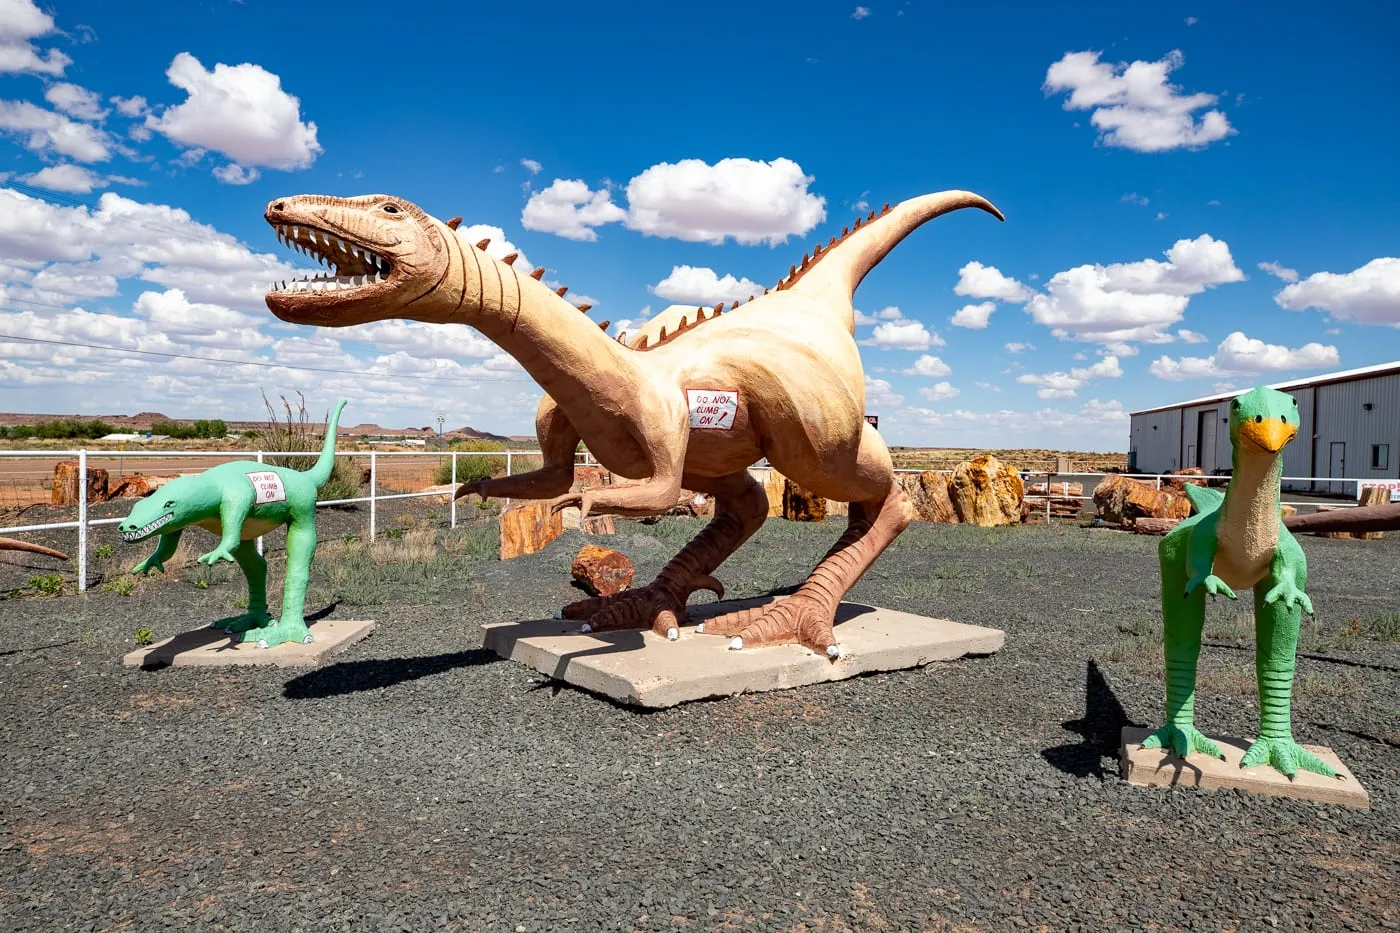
point(266, 363)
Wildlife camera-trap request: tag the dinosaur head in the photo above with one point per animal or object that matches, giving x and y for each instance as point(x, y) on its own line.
point(384, 256)
point(1263, 419)
point(180, 502)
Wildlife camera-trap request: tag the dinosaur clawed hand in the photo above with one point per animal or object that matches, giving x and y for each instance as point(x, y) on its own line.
point(1286, 756)
point(658, 606)
point(798, 618)
point(1288, 591)
point(147, 565)
point(213, 557)
point(1181, 741)
point(1213, 584)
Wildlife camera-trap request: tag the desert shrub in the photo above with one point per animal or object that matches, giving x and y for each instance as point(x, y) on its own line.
point(299, 433)
point(470, 469)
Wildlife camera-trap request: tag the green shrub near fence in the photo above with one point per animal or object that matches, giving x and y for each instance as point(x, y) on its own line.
point(483, 462)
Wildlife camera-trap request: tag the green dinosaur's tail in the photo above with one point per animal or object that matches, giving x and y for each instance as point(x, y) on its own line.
point(326, 462)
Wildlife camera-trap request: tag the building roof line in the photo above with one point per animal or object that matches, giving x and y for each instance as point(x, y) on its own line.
point(1346, 375)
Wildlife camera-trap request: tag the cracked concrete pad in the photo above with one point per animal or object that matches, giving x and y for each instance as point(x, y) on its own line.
point(1152, 767)
point(643, 669)
point(213, 647)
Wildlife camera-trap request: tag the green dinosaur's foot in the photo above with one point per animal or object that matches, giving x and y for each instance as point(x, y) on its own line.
point(1287, 757)
point(269, 636)
point(1182, 741)
point(244, 622)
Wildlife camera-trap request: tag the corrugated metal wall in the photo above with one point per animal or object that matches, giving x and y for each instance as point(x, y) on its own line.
point(1342, 444)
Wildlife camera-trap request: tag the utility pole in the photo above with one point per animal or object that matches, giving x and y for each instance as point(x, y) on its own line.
point(440, 419)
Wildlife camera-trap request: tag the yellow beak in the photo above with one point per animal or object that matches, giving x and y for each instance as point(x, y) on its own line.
point(1270, 434)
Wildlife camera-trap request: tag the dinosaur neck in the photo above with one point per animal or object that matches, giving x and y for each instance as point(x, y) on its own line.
point(557, 344)
point(1251, 507)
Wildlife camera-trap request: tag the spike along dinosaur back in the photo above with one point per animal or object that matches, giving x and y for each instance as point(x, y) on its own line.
point(1236, 541)
point(240, 501)
point(690, 402)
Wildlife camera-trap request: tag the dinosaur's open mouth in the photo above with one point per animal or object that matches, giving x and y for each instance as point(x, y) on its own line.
point(148, 529)
point(351, 265)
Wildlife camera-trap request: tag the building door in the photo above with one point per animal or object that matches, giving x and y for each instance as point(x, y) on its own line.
point(1205, 439)
point(1191, 455)
point(1337, 468)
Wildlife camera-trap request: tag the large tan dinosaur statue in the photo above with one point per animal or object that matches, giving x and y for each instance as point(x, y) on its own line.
point(690, 402)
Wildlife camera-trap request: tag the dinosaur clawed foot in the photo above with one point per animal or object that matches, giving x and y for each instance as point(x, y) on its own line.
point(1181, 741)
point(277, 633)
point(797, 619)
point(249, 620)
point(1286, 756)
point(656, 606)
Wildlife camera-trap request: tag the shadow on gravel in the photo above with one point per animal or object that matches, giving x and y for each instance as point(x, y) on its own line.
point(377, 673)
point(1363, 736)
point(1101, 727)
point(1347, 662)
point(57, 644)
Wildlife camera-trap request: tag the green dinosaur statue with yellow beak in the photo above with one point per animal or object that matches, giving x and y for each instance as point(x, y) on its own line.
point(1236, 540)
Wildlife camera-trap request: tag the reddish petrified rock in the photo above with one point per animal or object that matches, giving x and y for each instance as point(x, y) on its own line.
point(928, 493)
point(987, 492)
point(602, 572)
point(1123, 500)
point(65, 483)
point(528, 527)
point(801, 505)
point(138, 486)
point(1196, 474)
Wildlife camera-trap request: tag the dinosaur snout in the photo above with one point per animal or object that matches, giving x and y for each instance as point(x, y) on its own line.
point(1269, 433)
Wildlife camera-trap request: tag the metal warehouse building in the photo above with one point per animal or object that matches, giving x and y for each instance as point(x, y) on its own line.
point(1352, 417)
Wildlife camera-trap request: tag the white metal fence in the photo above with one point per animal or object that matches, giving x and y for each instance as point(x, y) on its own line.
point(84, 457)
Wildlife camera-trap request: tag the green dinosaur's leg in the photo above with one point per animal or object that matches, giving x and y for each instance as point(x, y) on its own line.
point(255, 572)
point(1183, 618)
point(1276, 625)
point(291, 625)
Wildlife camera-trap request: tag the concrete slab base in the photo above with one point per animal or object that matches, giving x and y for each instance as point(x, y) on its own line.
point(213, 647)
point(644, 669)
point(1152, 767)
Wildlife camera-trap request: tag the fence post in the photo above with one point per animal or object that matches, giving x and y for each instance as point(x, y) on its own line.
point(453, 521)
point(258, 543)
point(1047, 498)
point(373, 477)
point(82, 519)
point(508, 474)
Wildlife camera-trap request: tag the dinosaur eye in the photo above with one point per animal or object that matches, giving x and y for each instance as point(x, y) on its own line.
point(169, 504)
point(1283, 418)
point(1235, 404)
point(390, 209)
point(1258, 419)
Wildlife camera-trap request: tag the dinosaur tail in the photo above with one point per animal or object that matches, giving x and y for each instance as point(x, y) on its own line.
point(841, 269)
point(321, 471)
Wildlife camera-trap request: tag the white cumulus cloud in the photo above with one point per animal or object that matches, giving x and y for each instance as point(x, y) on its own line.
point(903, 335)
point(74, 179)
point(1279, 271)
point(1134, 106)
point(930, 366)
point(974, 317)
point(1367, 295)
point(702, 286)
point(75, 101)
point(240, 111)
point(884, 314)
point(880, 392)
point(1132, 300)
point(939, 391)
point(746, 200)
point(569, 209)
point(978, 281)
point(21, 22)
point(45, 132)
point(1238, 355)
point(1066, 384)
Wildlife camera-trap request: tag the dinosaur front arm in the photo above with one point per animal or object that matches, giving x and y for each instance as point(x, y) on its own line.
point(1200, 558)
point(233, 511)
point(668, 437)
point(1286, 572)
point(558, 441)
point(165, 549)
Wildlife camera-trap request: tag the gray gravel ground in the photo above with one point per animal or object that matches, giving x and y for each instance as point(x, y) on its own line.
point(417, 783)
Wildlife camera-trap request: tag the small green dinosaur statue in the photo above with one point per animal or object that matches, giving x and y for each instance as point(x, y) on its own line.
point(1237, 540)
point(241, 501)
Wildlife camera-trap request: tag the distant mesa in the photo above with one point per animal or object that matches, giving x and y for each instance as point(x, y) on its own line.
point(143, 421)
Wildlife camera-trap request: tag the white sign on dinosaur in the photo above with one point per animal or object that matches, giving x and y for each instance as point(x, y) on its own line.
point(267, 487)
point(712, 409)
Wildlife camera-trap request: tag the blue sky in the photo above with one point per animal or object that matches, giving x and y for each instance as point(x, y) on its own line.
point(1196, 199)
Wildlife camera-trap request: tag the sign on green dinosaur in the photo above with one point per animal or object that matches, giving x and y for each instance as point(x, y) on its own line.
point(241, 501)
point(1237, 540)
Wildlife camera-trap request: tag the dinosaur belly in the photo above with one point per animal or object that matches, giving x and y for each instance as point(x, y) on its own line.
point(252, 527)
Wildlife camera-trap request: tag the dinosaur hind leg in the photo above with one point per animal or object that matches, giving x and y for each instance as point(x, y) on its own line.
point(740, 509)
point(808, 615)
